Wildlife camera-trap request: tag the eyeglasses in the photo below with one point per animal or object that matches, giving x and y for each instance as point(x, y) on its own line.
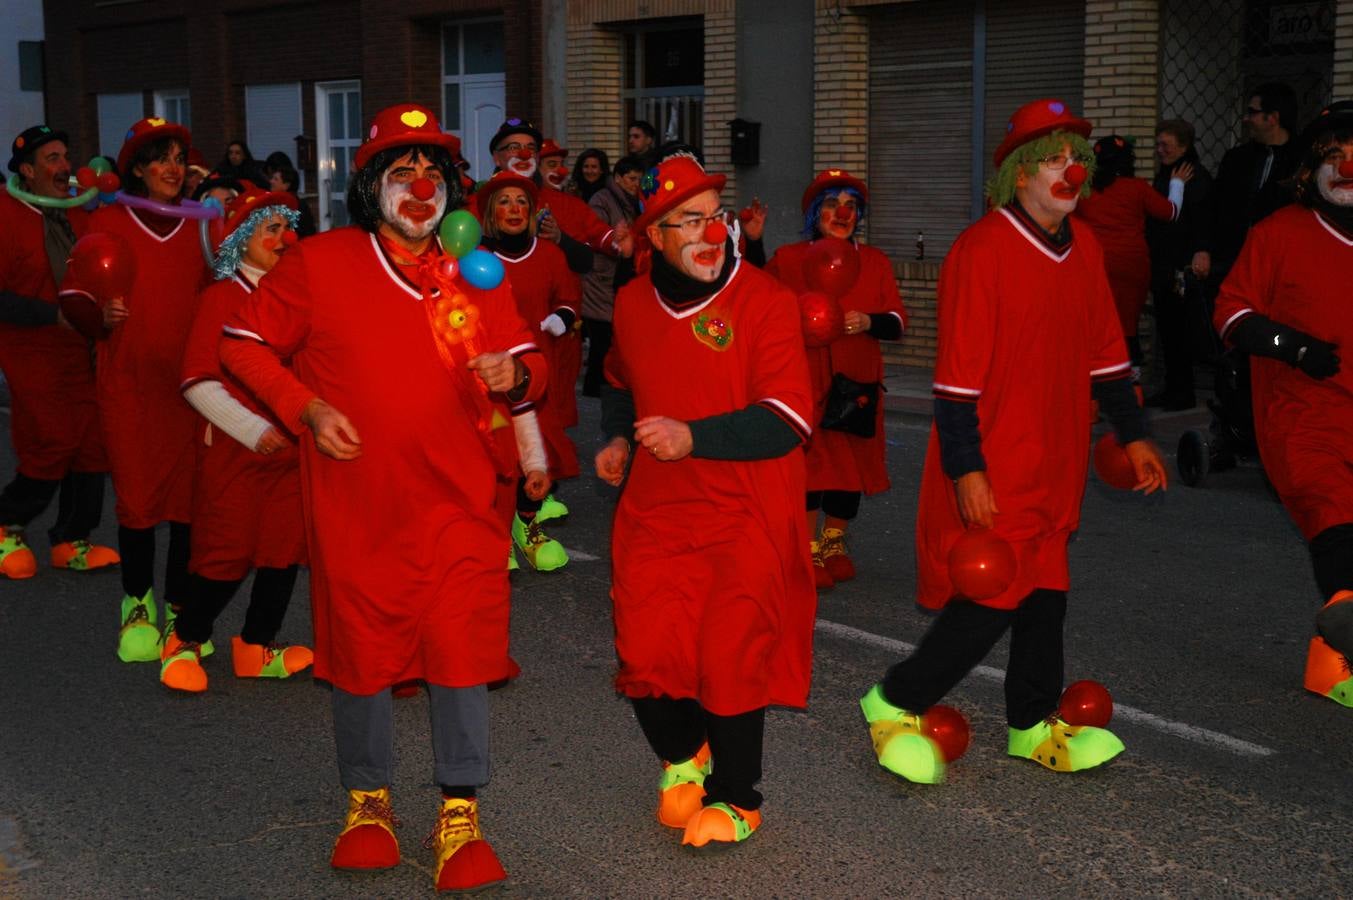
point(515, 146)
point(1059, 161)
point(1250, 112)
point(694, 226)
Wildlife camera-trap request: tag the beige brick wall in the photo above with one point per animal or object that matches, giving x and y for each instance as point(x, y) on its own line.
point(841, 89)
point(1122, 56)
point(721, 81)
point(594, 106)
point(917, 281)
point(1343, 50)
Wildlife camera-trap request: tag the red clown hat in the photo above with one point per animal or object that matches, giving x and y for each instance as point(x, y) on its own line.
point(403, 125)
point(550, 148)
point(147, 130)
point(506, 178)
point(1036, 119)
point(239, 207)
point(671, 183)
point(833, 178)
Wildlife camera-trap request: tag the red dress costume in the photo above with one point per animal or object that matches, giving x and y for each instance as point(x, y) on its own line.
point(54, 418)
point(1117, 215)
point(712, 585)
point(148, 427)
point(1005, 296)
point(246, 506)
point(406, 549)
point(1296, 268)
point(542, 283)
point(838, 461)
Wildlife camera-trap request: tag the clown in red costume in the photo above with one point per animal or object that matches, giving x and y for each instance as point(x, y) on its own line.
point(713, 592)
point(842, 466)
point(1026, 330)
point(398, 370)
point(1116, 210)
point(148, 428)
point(548, 295)
point(53, 417)
point(1286, 303)
point(247, 488)
point(566, 361)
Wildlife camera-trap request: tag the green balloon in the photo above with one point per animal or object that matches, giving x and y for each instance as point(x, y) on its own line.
point(100, 165)
point(460, 233)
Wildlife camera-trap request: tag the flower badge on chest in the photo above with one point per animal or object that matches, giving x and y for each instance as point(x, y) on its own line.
point(456, 319)
point(713, 330)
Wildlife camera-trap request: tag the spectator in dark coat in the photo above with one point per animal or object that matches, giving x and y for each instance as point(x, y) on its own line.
point(616, 203)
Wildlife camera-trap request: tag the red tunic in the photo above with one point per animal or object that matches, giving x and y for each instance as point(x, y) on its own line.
point(542, 283)
point(1296, 268)
point(1023, 329)
point(408, 574)
point(147, 425)
point(838, 461)
point(246, 506)
point(53, 414)
point(712, 583)
point(1117, 215)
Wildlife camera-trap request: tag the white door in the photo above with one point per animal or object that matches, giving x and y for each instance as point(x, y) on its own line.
point(338, 123)
point(484, 105)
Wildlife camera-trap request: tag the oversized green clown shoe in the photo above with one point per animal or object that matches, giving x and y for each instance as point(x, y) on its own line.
point(899, 744)
point(1060, 747)
point(139, 638)
point(551, 508)
point(543, 552)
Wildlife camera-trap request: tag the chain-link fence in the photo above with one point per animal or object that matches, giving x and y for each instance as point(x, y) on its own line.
point(1214, 51)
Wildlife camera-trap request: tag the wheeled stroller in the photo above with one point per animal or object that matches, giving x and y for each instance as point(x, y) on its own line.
point(1230, 436)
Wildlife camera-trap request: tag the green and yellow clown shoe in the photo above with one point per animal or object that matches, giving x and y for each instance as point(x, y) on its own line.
point(551, 509)
point(899, 743)
point(543, 552)
point(1060, 747)
point(139, 639)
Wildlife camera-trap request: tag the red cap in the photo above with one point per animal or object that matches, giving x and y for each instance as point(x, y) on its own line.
point(403, 125)
point(238, 208)
point(1036, 119)
point(550, 148)
point(674, 181)
point(145, 131)
point(833, 178)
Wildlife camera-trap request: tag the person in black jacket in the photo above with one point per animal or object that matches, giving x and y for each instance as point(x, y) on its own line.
point(1179, 248)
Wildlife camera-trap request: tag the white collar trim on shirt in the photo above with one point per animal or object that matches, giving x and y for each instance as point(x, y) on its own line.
point(1033, 238)
point(394, 276)
point(151, 232)
point(1341, 238)
point(517, 259)
point(690, 311)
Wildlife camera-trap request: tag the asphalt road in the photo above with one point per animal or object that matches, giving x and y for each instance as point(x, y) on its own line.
point(1194, 608)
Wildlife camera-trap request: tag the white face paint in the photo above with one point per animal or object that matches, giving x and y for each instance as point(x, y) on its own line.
point(411, 217)
point(1336, 190)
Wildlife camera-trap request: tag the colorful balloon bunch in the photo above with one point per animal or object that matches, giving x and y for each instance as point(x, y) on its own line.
point(90, 185)
point(460, 235)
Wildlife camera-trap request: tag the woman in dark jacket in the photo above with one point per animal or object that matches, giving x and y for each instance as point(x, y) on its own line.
point(615, 203)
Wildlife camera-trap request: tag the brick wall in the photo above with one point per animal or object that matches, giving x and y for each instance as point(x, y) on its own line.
point(841, 95)
point(721, 76)
point(1343, 50)
point(594, 108)
point(917, 281)
point(1122, 56)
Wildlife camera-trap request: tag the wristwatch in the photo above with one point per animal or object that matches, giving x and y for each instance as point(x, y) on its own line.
point(518, 390)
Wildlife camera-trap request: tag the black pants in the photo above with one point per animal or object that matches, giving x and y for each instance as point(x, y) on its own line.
point(207, 597)
point(137, 548)
point(79, 506)
point(524, 503)
point(675, 729)
point(1332, 558)
point(598, 334)
point(837, 504)
point(1172, 335)
point(961, 638)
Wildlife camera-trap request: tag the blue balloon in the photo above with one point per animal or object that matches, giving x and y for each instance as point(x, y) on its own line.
point(107, 198)
point(482, 269)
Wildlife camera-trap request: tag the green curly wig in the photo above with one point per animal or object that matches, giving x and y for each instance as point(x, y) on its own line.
point(1001, 188)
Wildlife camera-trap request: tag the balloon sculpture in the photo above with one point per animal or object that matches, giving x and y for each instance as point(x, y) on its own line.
point(981, 565)
point(460, 235)
point(1112, 464)
point(832, 266)
point(823, 319)
point(948, 728)
point(1086, 703)
point(91, 184)
point(103, 265)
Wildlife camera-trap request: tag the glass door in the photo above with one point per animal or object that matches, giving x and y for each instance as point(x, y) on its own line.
point(338, 121)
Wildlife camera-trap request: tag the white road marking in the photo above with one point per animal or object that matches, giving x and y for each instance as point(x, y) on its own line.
point(580, 556)
point(1130, 713)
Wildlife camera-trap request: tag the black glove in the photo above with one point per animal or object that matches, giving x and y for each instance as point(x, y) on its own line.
point(1316, 358)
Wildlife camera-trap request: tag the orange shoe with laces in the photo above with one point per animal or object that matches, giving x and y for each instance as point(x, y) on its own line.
point(82, 556)
point(822, 579)
point(181, 665)
point(367, 840)
point(268, 660)
point(1328, 673)
point(721, 823)
point(16, 559)
point(681, 789)
point(465, 861)
point(834, 556)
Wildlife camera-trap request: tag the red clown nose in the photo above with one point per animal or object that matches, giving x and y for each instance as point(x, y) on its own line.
point(423, 189)
point(715, 233)
point(842, 214)
point(523, 153)
point(1346, 169)
point(1075, 175)
point(289, 238)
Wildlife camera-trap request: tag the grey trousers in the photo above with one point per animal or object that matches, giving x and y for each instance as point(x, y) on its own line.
point(364, 733)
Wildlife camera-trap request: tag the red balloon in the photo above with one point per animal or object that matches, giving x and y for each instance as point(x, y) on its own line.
point(103, 265)
point(947, 727)
point(447, 267)
point(981, 565)
point(86, 177)
point(108, 183)
point(832, 266)
point(1112, 464)
point(823, 319)
point(1086, 703)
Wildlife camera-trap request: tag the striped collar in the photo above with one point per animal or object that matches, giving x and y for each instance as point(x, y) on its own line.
point(1056, 247)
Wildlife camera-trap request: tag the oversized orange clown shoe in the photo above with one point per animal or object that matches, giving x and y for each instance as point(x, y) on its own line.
point(465, 861)
point(367, 840)
point(82, 556)
point(682, 788)
point(719, 824)
point(16, 559)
